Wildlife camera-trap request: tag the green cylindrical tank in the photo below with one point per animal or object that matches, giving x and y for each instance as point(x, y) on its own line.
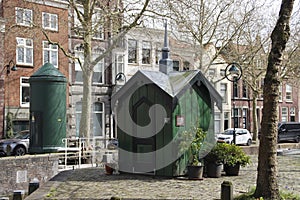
point(47, 109)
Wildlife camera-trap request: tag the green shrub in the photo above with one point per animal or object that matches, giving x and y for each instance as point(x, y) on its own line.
point(216, 155)
point(234, 154)
point(192, 141)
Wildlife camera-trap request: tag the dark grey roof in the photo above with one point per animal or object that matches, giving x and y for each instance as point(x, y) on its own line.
point(172, 84)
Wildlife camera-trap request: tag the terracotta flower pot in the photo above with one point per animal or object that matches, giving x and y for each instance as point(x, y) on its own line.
point(109, 170)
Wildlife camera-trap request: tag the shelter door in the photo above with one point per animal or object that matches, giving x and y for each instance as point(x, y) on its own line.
point(144, 147)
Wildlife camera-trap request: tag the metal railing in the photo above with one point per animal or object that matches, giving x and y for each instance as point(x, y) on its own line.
point(93, 151)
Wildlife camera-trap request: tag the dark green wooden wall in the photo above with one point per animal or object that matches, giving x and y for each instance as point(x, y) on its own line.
point(193, 104)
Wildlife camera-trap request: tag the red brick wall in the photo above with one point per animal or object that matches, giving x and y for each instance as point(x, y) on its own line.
point(36, 34)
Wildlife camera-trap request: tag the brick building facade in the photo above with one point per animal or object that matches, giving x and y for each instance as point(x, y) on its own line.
point(26, 47)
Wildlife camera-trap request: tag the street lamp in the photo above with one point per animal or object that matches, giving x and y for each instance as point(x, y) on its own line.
point(233, 73)
point(9, 68)
point(120, 77)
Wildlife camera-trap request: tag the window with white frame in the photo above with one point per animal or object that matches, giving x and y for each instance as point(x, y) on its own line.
point(158, 54)
point(146, 52)
point(280, 92)
point(77, 23)
point(50, 21)
point(23, 16)
point(24, 51)
point(24, 91)
point(50, 53)
point(288, 93)
point(226, 120)
point(217, 122)
point(78, 111)
point(97, 25)
point(245, 117)
point(132, 51)
point(284, 114)
point(119, 64)
point(98, 119)
point(98, 74)
point(78, 70)
point(223, 91)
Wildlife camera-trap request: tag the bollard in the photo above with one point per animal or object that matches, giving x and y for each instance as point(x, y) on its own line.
point(19, 195)
point(226, 191)
point(33, 186)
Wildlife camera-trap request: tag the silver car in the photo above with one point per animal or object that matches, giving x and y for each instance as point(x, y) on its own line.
point(17, 146)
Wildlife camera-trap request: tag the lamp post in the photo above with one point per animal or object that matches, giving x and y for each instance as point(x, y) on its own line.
point(233, 73)
point(7, 68)
point(120, 77)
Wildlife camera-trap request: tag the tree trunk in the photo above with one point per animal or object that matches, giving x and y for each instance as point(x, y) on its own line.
point(85, 121)
point(254, 116)
point(267, 182)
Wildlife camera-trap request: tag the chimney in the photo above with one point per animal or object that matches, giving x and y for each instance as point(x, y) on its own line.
point(166, 63)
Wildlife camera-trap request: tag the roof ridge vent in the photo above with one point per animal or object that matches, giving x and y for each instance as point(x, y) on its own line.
point(166, 63)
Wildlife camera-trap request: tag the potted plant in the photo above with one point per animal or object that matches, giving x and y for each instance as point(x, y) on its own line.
point(214, 161)
point(195, 165)
point(234, 157)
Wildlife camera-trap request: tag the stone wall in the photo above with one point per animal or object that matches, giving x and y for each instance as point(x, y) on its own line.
point(17, 172)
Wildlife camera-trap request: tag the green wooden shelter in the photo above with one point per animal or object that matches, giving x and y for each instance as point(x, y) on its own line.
point(188, 100)
point(151, 111)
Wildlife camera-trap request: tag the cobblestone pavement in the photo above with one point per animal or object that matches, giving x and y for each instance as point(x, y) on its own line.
point(92, 183)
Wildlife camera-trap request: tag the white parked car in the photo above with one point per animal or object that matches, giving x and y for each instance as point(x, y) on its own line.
point(242, 136)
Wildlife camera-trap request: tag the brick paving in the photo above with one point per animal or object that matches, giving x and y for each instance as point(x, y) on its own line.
point(92, 183)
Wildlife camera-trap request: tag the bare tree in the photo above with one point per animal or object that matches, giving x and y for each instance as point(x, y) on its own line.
point(267, 176)
point(116, 19)
point(252, 58)
point(291, 59)
point(215, 22)
point(223, 23)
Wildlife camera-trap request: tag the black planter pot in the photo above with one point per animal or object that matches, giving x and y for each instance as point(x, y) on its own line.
point(195, 172)
point(232, 170)
point(214, 170)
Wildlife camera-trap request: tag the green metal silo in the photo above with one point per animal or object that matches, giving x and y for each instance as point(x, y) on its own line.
point(47, 109)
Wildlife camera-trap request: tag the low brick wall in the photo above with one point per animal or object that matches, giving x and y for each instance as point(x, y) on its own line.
point(253, 149)
point(17, 172)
